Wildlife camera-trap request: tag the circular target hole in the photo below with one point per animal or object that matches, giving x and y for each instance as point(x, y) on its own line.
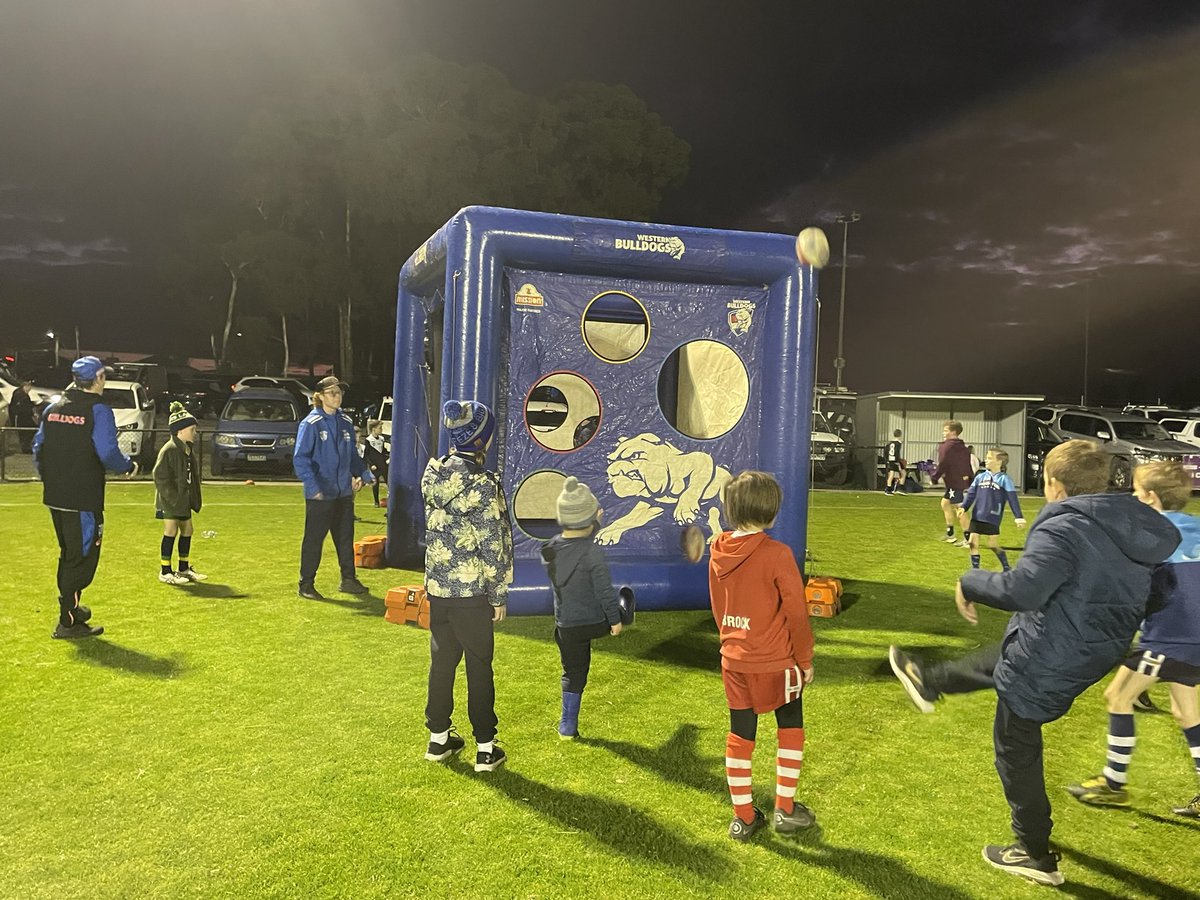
point(535, 504)
point(562, 411)
point(615, 326)
point(703, 389)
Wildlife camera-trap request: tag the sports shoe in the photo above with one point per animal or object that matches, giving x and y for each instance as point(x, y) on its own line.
point(81, 614)
point(1096, 792)
point(963, 544)
point(173, 578)
point(908, 670)
point(1189, 811)
point(1016, 860)
point(78, 630)
point(888, 492)
point(1143, 703)
point(490, 762)
point(192, 575)
point(948, 539)
point(309, 592)
point(743, 831)
point(446, 749)
point(352, 586)
point(798, 819)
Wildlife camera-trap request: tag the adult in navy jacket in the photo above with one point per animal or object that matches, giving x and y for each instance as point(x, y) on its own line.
point(327, 462)
point(1078, 594)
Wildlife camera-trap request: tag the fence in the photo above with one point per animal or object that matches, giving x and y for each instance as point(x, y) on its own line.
point(16, 462)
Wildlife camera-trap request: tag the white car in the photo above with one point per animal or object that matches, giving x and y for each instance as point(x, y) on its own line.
point(293, 386)
point(1186, 430)
point(133, 408)
point(384, 415)
point(9, 385)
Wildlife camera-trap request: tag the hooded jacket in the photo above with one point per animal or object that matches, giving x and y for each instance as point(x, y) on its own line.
point(953, 465)
point(176, 480)
point(583, 588)
point(325, 458)
point(468, 539)
point(1079, 592)
point(1172, 625)
point(757, 598)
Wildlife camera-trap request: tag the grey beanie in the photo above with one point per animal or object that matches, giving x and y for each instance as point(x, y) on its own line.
point(577, 506)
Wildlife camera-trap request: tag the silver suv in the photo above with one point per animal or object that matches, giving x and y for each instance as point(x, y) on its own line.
point(1129, 439)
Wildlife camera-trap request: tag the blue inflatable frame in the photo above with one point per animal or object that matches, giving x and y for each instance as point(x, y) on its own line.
point(452, 341)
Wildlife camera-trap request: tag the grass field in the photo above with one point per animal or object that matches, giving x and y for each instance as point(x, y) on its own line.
point(230, 739)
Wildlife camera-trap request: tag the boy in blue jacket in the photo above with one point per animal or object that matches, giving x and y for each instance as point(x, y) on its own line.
point(1077, 594)
point(585, 605)
point(988, 493)
point(327, 462)
point(1169, 649)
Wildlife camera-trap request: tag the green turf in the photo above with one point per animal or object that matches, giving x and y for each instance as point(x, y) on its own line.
point(232, 740)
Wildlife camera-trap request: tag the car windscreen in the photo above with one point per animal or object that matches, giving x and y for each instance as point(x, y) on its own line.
point(119, 398)
point(1141, 431)
point(242, 410)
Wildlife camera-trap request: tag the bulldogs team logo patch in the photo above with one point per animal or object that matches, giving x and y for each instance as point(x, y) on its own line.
point(741, 316)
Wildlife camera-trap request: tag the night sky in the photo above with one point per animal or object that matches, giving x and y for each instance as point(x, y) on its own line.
point(1016, 165)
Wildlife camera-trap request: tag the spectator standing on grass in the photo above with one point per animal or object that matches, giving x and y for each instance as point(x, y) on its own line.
point(20, 415)
point(1077, 594)
point(375, 453)
point(757, 598)
point(177, 496)
point(328, 464)
point(954, 467)
point(75, 443)
point(586, 606)
point(468, 568)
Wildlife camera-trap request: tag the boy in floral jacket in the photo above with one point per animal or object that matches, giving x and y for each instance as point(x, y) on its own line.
point(468, 567)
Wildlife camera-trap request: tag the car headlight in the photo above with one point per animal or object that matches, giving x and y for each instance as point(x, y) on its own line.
point(1032, 457)
point(287, 442)
point(1146, 456)
point(225, 440)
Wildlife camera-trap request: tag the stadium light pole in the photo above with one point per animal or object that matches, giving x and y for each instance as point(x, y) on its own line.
point(54, 337)
point(839, 362)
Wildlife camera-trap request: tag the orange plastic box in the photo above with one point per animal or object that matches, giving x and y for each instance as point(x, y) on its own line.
point(407, 604)
point(368, 553)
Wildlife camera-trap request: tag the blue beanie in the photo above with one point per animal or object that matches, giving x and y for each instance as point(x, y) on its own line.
point(470, 424)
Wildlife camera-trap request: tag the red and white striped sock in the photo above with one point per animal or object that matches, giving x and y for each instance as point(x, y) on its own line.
point(787, 767)
point(738, 752)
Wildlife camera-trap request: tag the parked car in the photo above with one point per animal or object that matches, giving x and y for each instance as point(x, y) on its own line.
point(1040, 439)
point(133, 408)
point(256, 429)
point(384, 415)
point(1185, 429)
point(1157, 413)
point(1130, 440)
point(829, 454)
point(293, 386)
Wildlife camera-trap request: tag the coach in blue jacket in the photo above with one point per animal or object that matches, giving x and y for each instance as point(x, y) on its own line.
point(327, 462)
point(1078, 594)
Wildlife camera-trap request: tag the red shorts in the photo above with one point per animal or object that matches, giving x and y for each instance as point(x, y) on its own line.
point(762, 692)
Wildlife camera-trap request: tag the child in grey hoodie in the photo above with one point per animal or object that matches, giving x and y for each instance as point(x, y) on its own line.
point(585, 605)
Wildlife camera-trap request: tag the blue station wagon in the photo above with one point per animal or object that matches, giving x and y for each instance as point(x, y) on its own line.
point(257, 430)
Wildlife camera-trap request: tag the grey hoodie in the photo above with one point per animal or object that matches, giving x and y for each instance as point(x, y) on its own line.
point(583, 592)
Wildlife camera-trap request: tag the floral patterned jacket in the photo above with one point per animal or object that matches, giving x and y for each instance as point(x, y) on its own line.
point(468, 539)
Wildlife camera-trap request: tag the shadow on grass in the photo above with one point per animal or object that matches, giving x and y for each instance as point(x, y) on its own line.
point(99, 652)
point(624, 830)
point(877, 874)
point(1139, 884)
point(210, 591)
point(363, 604)
point(676, 760)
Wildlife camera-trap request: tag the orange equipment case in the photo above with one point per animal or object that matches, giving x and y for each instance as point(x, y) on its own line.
point(407, 603)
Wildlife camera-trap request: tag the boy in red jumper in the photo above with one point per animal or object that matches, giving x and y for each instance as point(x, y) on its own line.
point(757, 598)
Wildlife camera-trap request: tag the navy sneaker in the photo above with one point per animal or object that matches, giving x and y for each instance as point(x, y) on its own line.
point(309, 592)
point(743, 831)
point(446, 749)
point(798, 819)
point(1016, 860)
point(909, 672)
point(490, 762)
point(78, 630)
point(352, 586)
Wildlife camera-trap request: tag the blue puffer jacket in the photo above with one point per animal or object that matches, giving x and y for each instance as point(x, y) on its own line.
point(325, 458)
point(1079, 593)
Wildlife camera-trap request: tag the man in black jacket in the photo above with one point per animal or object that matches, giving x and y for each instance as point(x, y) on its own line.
point(75, 443)
point(20, 414)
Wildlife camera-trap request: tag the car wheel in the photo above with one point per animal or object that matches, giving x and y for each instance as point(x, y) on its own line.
point(1121, 476)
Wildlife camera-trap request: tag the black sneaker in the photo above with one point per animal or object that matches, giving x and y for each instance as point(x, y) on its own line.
point(742, 831)
point(78, 630)
point(1143, 703)
point(309, 592)
point(81, 614)
point(908, 670)
point(798, 819)
point(1016, 859)
point(452, 744)
point(490, 762)
point(352, 586)
point(1190, 811)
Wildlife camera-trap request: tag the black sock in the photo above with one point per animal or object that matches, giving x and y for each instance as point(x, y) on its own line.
point(185, 552)
point(168, 546)
point(949, 531)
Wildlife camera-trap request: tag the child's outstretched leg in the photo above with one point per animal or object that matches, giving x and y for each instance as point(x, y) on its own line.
point(1185, 707)
point(790, 816)
point(994, 546)
point(1109, 787)
point(739, 750)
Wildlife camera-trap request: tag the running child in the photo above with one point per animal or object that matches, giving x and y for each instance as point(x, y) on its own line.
point(988, 493)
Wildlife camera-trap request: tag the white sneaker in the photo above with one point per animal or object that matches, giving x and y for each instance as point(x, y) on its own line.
point(173, 578)
point(963, 544)
point(192, 575)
